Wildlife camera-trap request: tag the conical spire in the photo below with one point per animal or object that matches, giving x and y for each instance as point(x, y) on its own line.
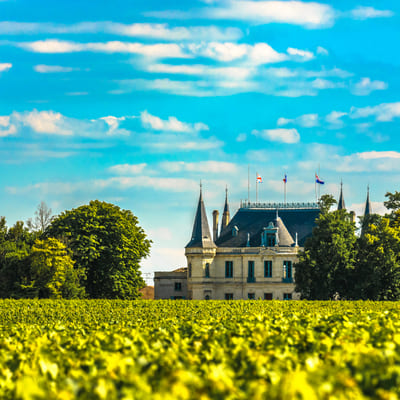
point(341, 205)
point(201, 236)
point(368, 208)
point(225, 215)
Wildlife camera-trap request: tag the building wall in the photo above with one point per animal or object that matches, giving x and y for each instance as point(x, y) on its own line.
point(165, 285)
point(217, 284)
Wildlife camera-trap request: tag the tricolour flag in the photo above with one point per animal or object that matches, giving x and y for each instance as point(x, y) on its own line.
point(319, 180)
point(285, 178)
point(259, 179)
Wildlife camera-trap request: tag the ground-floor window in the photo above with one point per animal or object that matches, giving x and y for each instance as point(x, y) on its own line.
point(251, 296)
point(178, 286)
point(287, 296)
point(228, 296)
point(207, 297)
point(267, 296)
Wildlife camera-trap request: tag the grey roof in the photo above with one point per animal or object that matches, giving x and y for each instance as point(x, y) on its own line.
point(226, 207)
point(368, 208)
point(285, 238)
point(341, 205)
point(201, 236)
point(254, 220)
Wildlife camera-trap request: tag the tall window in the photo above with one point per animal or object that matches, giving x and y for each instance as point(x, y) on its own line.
point(287, 269)
point(268, 269)
point(251, 269)
point(228, 269)
point(270, 240)
point(207, 271)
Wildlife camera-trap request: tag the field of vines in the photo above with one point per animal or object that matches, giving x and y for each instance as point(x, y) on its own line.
point(172, 350)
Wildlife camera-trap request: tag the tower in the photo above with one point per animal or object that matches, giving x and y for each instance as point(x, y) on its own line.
point(341, 205)
point(368, 208)
point(225, 215)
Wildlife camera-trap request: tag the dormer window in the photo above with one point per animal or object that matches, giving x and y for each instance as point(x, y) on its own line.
point(269, 236)
point(235, 231)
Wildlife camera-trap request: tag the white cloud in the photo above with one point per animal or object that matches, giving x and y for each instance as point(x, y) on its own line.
point(365, 86)
point(370, 12)
point(322, 51)
point(6, 127)
point(300, 55)
point(113, 123)
point(47, 122)
point(382, 112)
point(309, 15)
point(241, 137)
point(5, 66)
point(172, 124)
point(372, 155)
point(306, 121)
point(334, 119)
point(145, 30)
point(201, 166)
point(128, 169)
point(53, 46)
point(279, 135)
point(48, 69)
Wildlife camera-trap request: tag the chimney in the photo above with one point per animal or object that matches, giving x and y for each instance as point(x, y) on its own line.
point(215, 224)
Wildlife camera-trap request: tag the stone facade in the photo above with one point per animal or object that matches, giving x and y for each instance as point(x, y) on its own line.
point(171, 285)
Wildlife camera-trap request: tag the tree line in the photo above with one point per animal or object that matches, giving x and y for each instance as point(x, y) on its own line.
point(341, 261)
point(92, 251)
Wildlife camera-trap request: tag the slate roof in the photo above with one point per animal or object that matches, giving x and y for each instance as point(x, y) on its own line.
point(201, 236)
point(368, 208)
point(254, 220)
point(285, 238)
point(341, 205)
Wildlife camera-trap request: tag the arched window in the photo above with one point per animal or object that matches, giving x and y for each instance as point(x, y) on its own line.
point(207, 297)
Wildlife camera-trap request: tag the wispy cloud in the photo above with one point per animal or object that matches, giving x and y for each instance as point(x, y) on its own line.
point(365, 86)
point(281, 135)
point(54, 46)
point(370, 12)
point(142, 30)
point(49, 69)
point(306, 121)
point(128, 169)
point(172, 124)
point(200, 167)
point(382, 112)
point(5, 66)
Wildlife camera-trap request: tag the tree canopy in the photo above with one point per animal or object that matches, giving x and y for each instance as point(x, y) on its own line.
point(108, 244)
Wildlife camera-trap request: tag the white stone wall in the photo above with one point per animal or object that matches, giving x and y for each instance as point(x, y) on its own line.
point(217, 285)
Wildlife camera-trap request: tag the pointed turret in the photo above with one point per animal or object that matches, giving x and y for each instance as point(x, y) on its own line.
point(225, 215)
point(341, 205)
point(368, 208)
point(284, 237)
point(201, 236)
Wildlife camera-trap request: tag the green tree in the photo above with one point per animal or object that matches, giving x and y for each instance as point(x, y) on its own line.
point(326, 266)
point(377, 274)
point(326, 202)
point(108, 244)
point(51, 273)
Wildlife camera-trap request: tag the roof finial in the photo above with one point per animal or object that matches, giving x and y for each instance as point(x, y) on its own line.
point(277, 214)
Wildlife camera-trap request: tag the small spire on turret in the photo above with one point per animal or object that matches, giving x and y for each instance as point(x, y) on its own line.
point(225, 215)
point(368, 208)
point(341, 205)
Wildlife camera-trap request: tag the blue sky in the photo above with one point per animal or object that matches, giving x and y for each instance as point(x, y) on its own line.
point(135, 103)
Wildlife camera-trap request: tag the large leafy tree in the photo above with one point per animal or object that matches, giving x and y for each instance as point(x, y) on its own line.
point(51, 273)
point(108, 244)
point(378, 261)
point(326, 266)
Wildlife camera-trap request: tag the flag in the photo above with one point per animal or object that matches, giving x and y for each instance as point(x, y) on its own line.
point(319, 180)
point(285, 178)
point(259, 179)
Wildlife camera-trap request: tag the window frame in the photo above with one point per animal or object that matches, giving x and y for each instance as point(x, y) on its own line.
point(267, 268)
point(229, 269)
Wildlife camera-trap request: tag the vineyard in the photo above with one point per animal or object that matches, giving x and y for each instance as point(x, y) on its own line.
point(199, 350)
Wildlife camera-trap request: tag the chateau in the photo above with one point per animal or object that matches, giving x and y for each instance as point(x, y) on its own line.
point(250, 256)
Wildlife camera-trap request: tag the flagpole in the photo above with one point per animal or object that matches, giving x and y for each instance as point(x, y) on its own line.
point(319, 186)
point(256, 187)
point(285, 189)
point(315, 184)
point(248, 184)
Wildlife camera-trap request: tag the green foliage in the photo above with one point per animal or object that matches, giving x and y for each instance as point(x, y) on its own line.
point(326, 266)
point(378, 262)
point(179, 350)
point(326, 202)
point(52, 273)
point(108, 244)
